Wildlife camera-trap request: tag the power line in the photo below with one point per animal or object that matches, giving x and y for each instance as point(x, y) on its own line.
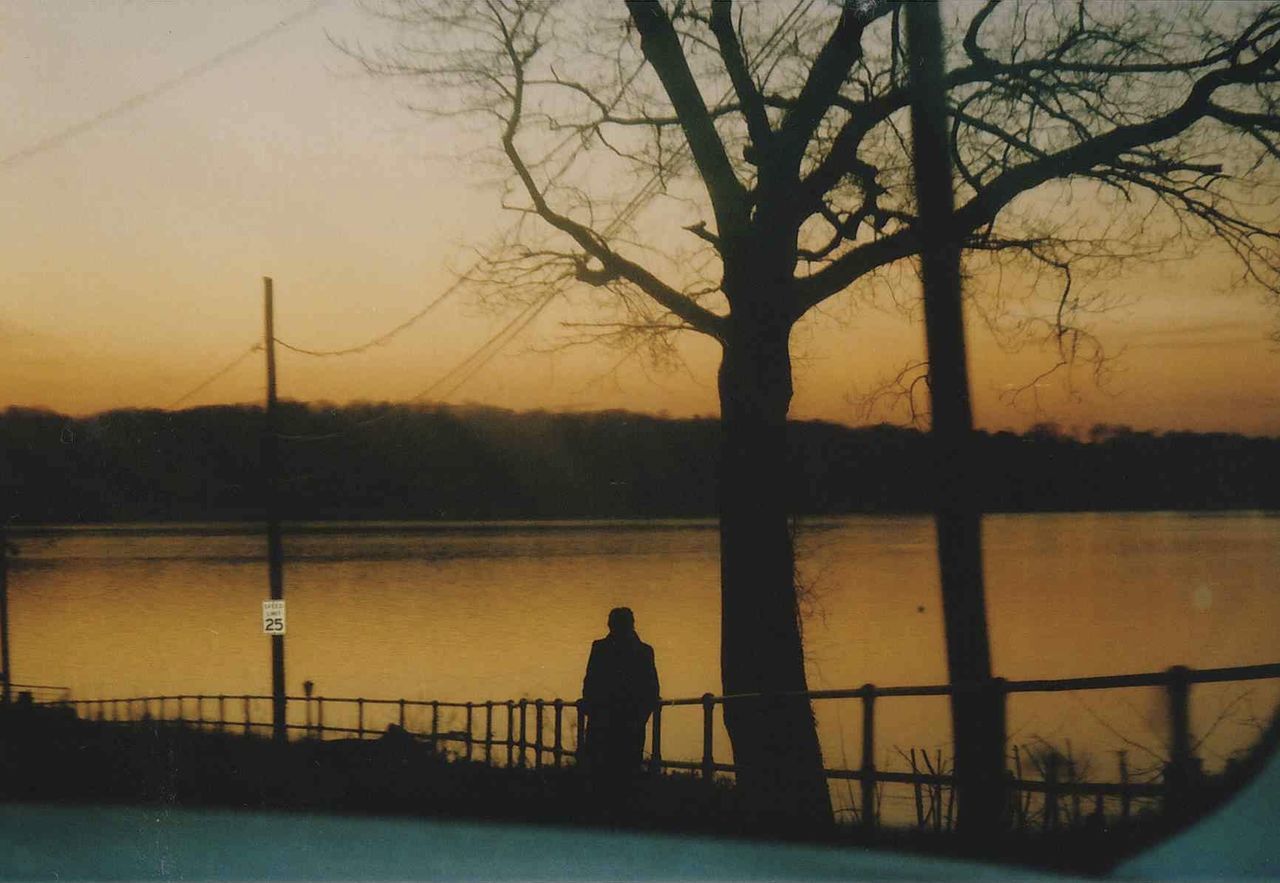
point(486, 352)
point(381, 339)
point(59, 138)
point(489, 350)
point(226, 369)
point(681, 153)
point(645, 193)
point(386, 337)
point(458, 374)
point(531, 312)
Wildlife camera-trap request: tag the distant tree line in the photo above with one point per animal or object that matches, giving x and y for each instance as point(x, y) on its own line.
point(368, 461)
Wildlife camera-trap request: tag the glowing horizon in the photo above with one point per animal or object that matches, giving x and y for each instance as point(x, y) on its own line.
point(133, 252)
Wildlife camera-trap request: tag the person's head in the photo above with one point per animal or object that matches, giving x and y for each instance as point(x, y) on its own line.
point(621, 621)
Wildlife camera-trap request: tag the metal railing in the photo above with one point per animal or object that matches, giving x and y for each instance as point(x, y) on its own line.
point(1182, 768)
point(239, 713)
point(38, 692)
point(507, 727)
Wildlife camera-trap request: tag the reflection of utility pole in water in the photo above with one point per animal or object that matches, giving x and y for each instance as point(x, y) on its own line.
point(275, 554)
point(4, 614)
point(977, 712)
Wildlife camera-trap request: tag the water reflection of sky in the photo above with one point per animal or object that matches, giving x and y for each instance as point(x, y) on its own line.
point(503, 611)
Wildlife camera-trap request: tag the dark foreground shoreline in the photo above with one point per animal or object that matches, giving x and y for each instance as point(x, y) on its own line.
point(49, 756)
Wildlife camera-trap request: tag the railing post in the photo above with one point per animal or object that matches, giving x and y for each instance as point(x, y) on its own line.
point(580, 739)
point(402, 714)
point(360, 718)
point(1012, 802)
point(1015, 792)
point(1075, 794)
point(488, 732)
point(467, 741)
point(998, 697)
point(1051, 763)
point(222, 713)
point(537, 735)
point(1182, 770)
point(915, 787)
point(868, 768)
point(1124, 785)
point(708, 760)
point(937, 789)
point(320, 717)
point(524, 732)
point(435, 721)
point(557, 750)
point(248, 723)
point(655, 754)
point(511, 733)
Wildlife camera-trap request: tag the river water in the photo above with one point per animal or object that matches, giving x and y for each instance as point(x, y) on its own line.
point(499, 611)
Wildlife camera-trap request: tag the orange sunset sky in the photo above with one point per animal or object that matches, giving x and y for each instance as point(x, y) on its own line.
point(132, 250)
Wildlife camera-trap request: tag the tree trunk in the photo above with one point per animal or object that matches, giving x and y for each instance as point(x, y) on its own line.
point(977, 705)
point(775, 741)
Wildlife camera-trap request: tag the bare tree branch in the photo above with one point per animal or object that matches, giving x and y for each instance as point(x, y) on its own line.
point(1174, 109)
point(661, 47)
point(735, 63)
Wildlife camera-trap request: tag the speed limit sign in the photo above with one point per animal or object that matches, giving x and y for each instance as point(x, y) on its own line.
point(273, 617)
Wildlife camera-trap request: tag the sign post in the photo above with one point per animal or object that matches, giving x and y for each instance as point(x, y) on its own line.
point(275, 551)
point(4, 616)
point(273, 621)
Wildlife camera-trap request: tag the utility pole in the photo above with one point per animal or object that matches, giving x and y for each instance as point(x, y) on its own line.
point(5, 694)
point(275, 552)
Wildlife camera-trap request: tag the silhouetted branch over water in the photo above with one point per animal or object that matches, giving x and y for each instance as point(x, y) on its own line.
point(486, 463)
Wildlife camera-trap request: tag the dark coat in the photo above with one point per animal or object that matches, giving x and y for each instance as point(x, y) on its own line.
point(620, 689)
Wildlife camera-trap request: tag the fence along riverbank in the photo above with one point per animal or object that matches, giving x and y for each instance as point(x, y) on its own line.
point(540, 732)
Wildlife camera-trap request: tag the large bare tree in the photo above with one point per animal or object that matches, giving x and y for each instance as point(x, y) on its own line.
point(725, 168)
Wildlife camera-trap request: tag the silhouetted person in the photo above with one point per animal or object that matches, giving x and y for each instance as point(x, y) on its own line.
point(619, 693)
